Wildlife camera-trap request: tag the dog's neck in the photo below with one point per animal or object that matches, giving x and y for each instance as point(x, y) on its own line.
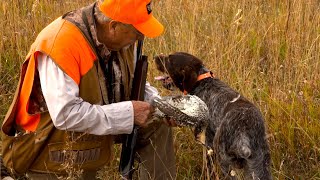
point(203, 74)
point(203, 70)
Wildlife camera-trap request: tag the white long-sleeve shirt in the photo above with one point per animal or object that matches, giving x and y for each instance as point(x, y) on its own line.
point(70, 112)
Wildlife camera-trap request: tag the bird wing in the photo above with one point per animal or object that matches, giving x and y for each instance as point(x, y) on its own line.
point(184, 109)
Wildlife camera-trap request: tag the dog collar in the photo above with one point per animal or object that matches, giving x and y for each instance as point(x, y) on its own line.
point(200, 77)
point(205, 75)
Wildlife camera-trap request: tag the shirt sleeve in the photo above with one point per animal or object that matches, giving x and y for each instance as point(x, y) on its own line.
point(150, 93)
point(70, 112)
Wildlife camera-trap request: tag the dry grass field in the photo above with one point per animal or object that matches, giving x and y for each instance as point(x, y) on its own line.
point(267, 50)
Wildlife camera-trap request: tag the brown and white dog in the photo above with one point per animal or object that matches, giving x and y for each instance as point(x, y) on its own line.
point(236, 131)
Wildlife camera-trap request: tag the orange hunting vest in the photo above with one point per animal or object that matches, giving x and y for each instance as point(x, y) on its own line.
point(75, 60)
point(42, 148)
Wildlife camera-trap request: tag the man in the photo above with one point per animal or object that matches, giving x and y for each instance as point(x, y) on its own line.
point(73, 96)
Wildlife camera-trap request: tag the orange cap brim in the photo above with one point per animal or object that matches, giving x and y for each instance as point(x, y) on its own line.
point(150, 28)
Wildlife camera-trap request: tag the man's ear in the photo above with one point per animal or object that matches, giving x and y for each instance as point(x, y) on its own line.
point(112, 27)
point(189, 79)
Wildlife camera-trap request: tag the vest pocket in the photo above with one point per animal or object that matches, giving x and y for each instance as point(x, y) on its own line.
point(17, 146)
point(79, 153)
point(20, 151)
point(60, 157)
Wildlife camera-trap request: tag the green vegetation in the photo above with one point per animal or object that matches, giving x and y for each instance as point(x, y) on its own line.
point(267, 50)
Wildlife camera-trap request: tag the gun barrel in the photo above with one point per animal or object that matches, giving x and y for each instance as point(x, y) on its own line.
point(126, 166)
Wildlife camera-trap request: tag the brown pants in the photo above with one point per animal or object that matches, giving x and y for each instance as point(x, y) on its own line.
point(155, 154)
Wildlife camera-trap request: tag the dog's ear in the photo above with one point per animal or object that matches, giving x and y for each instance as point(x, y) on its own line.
point(189, 79)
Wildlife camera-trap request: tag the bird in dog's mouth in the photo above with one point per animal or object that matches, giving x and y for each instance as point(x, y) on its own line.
point(187, 110)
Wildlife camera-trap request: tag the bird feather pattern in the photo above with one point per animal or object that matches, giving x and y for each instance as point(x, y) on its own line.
point(187, 110)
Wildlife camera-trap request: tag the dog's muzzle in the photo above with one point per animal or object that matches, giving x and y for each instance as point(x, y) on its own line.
point(166, 82)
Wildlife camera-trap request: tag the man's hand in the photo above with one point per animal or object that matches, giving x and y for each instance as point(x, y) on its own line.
point(170, 122)
point(142, 112)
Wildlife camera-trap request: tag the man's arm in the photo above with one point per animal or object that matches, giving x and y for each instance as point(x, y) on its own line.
point(69, 112)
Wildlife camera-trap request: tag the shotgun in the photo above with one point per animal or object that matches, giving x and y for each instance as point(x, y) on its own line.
point(126, 166)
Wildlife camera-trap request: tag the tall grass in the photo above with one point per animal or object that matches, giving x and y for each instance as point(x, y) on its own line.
point(267, 50)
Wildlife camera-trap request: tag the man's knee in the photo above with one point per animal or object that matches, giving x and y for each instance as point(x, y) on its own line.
point(156, 153)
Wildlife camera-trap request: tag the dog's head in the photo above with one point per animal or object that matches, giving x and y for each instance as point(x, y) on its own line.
point(183, 69)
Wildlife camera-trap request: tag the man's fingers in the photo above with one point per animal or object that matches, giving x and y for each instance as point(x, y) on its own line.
point(170, 122)
point(142, 112)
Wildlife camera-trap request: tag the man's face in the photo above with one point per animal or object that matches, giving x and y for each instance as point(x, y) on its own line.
point(125, 35)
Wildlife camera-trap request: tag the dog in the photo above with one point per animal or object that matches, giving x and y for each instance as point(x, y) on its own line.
point(236, 129)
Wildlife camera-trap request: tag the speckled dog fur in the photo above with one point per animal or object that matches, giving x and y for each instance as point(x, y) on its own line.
point(236, 130)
